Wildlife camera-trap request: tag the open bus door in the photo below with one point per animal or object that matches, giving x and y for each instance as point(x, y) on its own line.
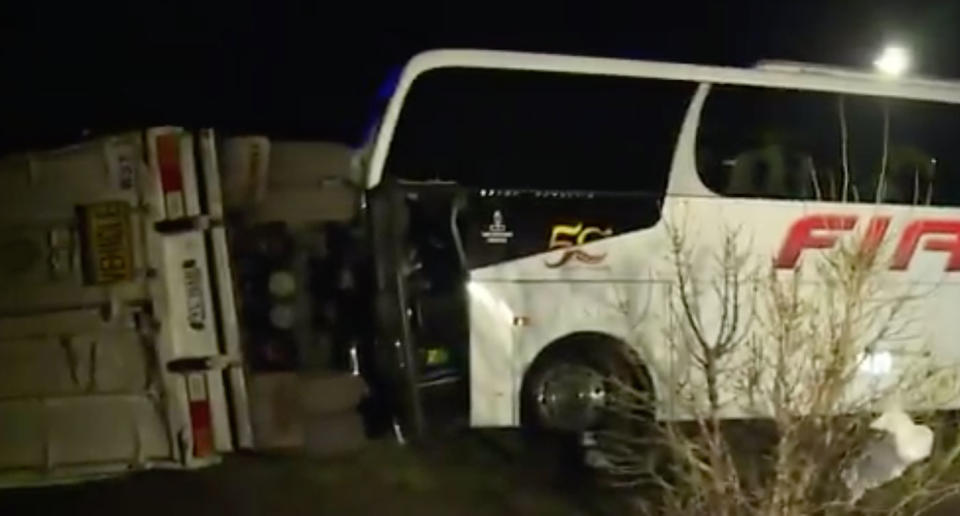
point(420, 303)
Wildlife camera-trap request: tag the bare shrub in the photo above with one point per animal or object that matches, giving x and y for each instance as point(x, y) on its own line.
point(777, 378)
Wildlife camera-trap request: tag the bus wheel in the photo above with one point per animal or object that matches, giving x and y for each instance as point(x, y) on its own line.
point(569, 391)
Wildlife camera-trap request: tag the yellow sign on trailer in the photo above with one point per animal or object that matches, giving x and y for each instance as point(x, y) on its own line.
point(107, 241)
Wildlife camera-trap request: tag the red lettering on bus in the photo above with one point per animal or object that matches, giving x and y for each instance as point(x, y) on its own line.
point(948, 232)
point(801, 236)
point(822, 232)
point(874, 235)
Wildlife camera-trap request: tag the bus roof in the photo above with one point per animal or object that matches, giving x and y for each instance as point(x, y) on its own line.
point(804, 68)
point(777, 74)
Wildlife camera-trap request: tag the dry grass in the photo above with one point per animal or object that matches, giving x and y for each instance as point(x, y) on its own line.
point(788, 350)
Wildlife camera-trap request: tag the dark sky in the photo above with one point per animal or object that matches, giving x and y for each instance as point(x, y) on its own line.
point(310, 70)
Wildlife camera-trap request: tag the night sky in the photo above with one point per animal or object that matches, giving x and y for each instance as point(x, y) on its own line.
point(313, 71)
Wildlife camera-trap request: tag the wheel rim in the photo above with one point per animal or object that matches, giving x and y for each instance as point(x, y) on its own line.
point(571, 397)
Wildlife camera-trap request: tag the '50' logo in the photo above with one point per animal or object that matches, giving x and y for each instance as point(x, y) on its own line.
point(563, 236)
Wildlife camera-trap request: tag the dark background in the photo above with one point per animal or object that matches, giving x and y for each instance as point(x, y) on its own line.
point(316, 70)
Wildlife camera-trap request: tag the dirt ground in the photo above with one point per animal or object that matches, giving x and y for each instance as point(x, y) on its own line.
point(471, 474)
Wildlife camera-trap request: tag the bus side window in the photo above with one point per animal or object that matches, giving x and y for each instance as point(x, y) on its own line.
point(910, 176)
point(793, 144)
point(771, 171)
point(533, 151)
point(752, 142)
point(517, 129)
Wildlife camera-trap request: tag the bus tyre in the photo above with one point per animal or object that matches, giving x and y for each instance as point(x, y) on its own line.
point(567, 395)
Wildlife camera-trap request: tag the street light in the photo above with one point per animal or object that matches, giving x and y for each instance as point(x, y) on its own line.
point(893, 61)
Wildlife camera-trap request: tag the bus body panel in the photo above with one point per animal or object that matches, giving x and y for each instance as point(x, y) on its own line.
point(623, 288)
point(633, 305)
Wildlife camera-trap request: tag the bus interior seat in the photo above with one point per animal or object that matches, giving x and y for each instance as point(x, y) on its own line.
point(771, 171)
point(910, 176)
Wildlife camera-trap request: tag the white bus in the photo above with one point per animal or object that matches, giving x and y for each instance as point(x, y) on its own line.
point(518, 199)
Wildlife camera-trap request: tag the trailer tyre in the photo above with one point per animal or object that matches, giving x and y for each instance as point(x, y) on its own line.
point(330, 393)
point(332, 435)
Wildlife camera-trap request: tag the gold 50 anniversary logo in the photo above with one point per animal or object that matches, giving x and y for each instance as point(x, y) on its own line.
point(566, 236)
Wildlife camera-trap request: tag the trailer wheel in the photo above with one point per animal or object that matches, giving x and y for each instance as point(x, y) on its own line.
point(324, 393)
point(331, 435)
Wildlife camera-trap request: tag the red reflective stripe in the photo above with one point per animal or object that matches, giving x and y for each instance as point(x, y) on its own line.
point(168, 158)
point(201, 422)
